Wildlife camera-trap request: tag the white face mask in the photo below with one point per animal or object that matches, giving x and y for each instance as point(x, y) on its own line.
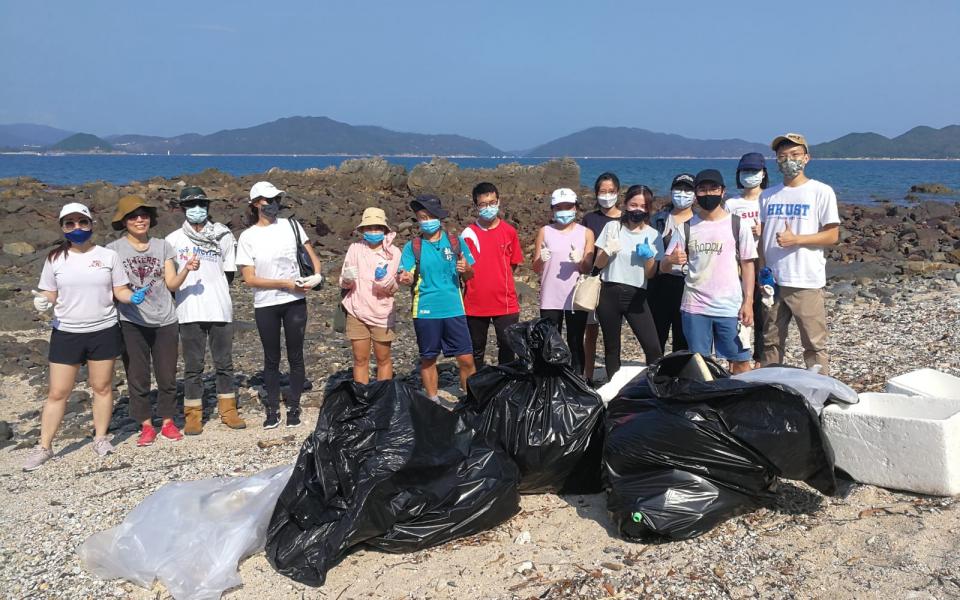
point(606, 200)
point(682, 199)
point(751, 179)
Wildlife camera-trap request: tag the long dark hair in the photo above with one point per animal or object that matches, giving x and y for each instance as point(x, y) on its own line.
point(62, 248)
point(607, 176)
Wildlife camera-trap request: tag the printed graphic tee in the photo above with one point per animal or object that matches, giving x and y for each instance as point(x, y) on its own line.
point(712, 285)
point(204, 296)
point(84, 283)
point(805, 209)
point(145, 269)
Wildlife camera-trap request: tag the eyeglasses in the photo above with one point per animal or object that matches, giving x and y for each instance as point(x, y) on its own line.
point(81, 223)
point(138, 216)
point(488, 204)
point(792, 155)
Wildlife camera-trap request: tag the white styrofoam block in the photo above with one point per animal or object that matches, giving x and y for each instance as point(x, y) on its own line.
point(621, 378)
point(897, 441)
point(926, 382)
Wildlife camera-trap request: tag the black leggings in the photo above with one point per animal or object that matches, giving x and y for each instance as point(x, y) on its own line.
point(618, 300)
point(293, 317)
point(666, 293)
point(479, 326)
point(576, 326)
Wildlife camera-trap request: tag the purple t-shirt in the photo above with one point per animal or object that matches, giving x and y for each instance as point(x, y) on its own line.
point(560, 274)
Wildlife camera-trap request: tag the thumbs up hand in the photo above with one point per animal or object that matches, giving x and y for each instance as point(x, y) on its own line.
point(787, 237)
point(139, 296)
point(576, 255)
point(193, 263)
point(40, 301)
point(678, 257)
point(645, 251)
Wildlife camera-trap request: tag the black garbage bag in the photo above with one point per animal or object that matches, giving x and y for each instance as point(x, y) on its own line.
point(683, 455)
point(389, 468)
point(542, 412)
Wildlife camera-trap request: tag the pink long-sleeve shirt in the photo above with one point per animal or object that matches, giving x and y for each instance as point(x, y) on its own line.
point(369, 300)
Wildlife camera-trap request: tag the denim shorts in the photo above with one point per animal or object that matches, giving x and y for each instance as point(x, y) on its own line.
point(705, 334)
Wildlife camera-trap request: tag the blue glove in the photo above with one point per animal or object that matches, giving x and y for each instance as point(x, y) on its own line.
point(139, 295)
point(766, 277)
point(645, 251)
point(380, 273)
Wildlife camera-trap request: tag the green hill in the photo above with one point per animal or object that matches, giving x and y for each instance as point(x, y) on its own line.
point(919, 142)
point(82, 142)
point(628, 141)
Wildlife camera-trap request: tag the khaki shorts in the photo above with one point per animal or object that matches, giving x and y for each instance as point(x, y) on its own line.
point(358, 330)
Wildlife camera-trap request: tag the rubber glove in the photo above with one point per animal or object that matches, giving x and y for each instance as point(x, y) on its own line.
point(380, 273)
point(310, 282)
point(139, 296)
point(40, 301)
point(645, 251)
point(612, 247)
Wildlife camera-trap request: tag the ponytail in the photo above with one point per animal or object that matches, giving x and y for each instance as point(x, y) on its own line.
point(61, 249)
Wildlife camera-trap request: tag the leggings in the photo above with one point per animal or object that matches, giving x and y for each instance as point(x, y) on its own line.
point(293, 317)
point(576, 325)
point(478, 336)
point(665, 293)
point(618, 300)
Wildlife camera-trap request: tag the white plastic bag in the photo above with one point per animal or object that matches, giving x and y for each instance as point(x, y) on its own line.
point(816, 388)
point(189, 535)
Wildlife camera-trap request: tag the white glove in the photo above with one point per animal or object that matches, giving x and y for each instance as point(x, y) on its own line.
point(349, 273)
point(766, 295)
point(576, 255)
point(612, 247)
point(746, 336)
point(310, 282)
point(544, 253)
point(40, 301)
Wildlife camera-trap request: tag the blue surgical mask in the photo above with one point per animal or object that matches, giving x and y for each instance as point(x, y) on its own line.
point(373, 237)
point(682, 199)
point(430, 225)
point(489, 213)
point(565, 217)
point(751, 179)
point(196, 214)
point(78, 236)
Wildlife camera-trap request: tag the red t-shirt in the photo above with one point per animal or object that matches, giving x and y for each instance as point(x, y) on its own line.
point(491, 292)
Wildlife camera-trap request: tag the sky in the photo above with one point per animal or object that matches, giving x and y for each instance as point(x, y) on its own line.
point(513, 73)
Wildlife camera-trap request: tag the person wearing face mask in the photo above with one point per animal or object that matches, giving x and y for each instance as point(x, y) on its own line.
point(562, 252)
point(267, 257)
point(752, 179)
point(368, 277)
point(800, 218)
point(435, 264)
point(665, 290)
point(607, 190)
point(205, 309)
point(80, 281)
point(627, 251)
point(149, 329)
point(716, 299)
point(490, 295)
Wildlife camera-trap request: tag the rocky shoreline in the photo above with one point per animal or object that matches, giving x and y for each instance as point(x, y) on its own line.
point(893, 304)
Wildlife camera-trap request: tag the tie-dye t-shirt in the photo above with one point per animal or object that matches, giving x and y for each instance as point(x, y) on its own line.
point(713, 281)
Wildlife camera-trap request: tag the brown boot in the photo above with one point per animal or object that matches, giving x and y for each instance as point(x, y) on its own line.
point(228, 412)
point(193, 411)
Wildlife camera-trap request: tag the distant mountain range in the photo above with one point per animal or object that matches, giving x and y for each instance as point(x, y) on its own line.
point(321, 135)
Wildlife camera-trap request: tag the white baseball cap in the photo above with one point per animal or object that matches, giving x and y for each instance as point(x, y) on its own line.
point(75, 207)
point(563, 195)
point(264, 189)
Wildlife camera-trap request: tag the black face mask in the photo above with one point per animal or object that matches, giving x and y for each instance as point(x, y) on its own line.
point(636, 216)
point(709, 202)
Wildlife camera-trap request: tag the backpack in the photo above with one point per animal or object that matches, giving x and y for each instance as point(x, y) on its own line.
point(417, 245)
point(734, 223)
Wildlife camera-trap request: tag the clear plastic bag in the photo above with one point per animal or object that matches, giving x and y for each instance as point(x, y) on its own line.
point(816, 388)
point(189, 535)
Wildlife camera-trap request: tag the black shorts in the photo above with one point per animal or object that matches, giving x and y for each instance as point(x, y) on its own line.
point(68, 348)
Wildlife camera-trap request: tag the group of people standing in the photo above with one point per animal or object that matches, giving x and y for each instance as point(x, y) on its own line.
point(702, 272)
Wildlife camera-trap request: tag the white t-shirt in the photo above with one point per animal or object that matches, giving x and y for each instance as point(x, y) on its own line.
point(625, 266)
point(712, 286)
point(84, 283)
point(747, 210)
point(204, 296)
point(806, 209)
point(272, 251)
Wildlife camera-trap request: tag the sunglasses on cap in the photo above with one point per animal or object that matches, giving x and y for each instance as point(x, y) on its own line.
point(70, 224)
point(194, 202)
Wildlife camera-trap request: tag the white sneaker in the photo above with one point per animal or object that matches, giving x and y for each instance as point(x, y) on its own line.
point(102, 446)
point(37, 457)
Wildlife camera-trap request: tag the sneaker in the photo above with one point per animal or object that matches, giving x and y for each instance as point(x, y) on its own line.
point(102, 446)
point(37, 457)
point(293, 418)
point(170, 431)
point(272, 421)
point(147, 435)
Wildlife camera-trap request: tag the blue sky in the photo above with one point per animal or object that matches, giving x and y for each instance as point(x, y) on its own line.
point(515, 74)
